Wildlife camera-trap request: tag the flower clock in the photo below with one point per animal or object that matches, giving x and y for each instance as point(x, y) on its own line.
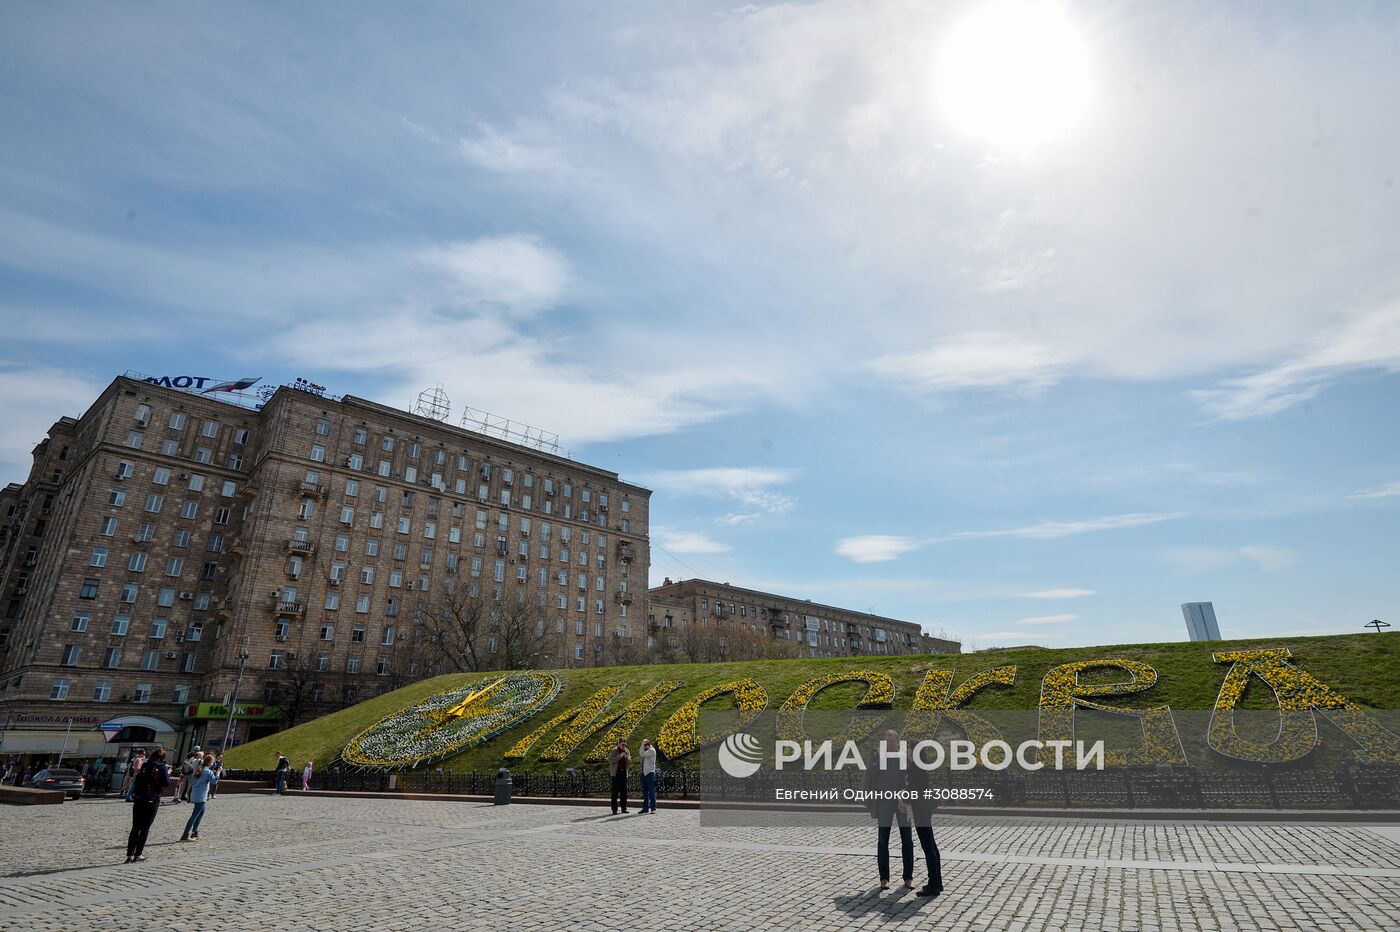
point(451, 721)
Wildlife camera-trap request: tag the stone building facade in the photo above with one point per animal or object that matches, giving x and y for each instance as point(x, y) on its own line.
point(164, 535)
point(817, 630)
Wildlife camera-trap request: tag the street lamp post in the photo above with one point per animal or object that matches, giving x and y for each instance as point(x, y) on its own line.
point(242, 656)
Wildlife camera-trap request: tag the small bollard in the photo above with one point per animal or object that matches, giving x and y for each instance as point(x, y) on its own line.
point(503, 787)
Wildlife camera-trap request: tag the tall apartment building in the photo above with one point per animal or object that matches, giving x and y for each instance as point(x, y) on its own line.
point(1200, 621)
point(817, 630)
point(164, 534)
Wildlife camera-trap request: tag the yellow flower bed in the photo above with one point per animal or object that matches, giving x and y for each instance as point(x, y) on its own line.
point(1061, 693)
point(678, 736)
point(1297, 694)
point(936, 699)
point(879, 694)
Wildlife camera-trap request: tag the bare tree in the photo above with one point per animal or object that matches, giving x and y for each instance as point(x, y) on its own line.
point(473, 627)
point(295, 691)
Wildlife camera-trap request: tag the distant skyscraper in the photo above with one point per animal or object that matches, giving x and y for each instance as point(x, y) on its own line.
point(1200, 621)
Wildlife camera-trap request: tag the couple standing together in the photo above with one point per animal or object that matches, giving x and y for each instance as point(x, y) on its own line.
point(891, 773)
point(618, 760)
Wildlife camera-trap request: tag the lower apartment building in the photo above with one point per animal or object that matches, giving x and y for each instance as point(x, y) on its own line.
point(712, 616)
point(330, 548)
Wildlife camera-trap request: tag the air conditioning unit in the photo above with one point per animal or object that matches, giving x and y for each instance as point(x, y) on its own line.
point(186, 596)
point(409, 585)
point(184, 476)
point(333, 581)
point(179, 636)
point(120, 475)
point(171, 655)
point(281, 637)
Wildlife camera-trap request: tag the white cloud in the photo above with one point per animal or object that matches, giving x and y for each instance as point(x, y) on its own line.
point(751, 486)
point(1271, 559)
point(1046, 619)
point(511, 152)
point(1368, 341)
point(1057, 594)
point(875, 548)
point(1018, 636)
point(687, 542)
point(977, 360)
point(738, 518)
point(1389, 490)
point(1053, 530)
point(1201, 559)
point(516, 275)
point(36, 397)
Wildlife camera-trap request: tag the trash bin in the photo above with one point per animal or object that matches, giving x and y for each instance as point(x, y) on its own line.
point(503, 787)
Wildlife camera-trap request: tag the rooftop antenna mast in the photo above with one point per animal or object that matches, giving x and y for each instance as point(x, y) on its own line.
point(433, 403)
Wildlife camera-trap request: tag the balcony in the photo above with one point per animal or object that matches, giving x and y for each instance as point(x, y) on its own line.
point(301, 546)
point(625, 551)
point(310, 488)
point(622, 597)
point(249, 491)
point(289, 608)
point(237, 548)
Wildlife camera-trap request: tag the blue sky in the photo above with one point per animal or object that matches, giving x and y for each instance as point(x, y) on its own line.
point(1038, 394)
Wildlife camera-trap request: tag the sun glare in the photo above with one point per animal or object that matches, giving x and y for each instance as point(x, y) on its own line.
point(1014, 73)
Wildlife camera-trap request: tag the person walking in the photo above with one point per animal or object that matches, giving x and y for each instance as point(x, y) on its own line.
point(885, 775)
point(187, 769)
point(921, 814)
point(133, 769)
point(219, 769)
point(648, 776)
point(205, 776)
point(306, 777)
point(147, 790)
point(282, 765)
point(618, 759)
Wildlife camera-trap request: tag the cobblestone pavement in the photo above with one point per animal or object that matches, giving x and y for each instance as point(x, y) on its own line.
point(340, 864)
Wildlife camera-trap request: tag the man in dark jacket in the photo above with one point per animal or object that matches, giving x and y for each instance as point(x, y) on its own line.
point(147, 791)
point(885, 775)
point(282, 765)
point(618, 759)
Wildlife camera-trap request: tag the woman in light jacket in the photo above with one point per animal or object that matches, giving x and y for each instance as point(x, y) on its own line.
point(648, 776)
point(204, 777)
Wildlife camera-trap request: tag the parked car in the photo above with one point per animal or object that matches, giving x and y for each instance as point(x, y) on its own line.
point(59, 778)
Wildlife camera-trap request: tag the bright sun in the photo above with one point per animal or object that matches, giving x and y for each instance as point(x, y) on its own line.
point(1014, 73)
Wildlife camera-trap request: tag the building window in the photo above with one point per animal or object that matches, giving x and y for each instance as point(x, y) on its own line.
point(112, 658)
point(323, 662)
point(109, 527)
point(142, 693)
point(332, 601)
point(327, 631)
point(99, 556)
point(174, 566)
point(181, 538)
point(70, 655)
point(352, 663)
point(59, 691)
point(134, 439)
point(154, 502)
point(80, 622)
point(150, 659)
point(161, 476)
point(275, 660)
point(189, 509)
point(116, 498)
point(382, 667)
point(357, 635)
point(181, 694)
point(318, 453)
point(125, 470)
point(89, 590)
point(120, 625)
point(102, 691)
point(196, 483)
point(194, 631)
point(388, 636)
point(158, 626)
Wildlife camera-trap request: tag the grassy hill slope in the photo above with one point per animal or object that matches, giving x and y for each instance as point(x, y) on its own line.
point(1364, 667)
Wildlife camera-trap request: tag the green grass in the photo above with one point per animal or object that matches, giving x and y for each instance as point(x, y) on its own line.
point(1363, 667)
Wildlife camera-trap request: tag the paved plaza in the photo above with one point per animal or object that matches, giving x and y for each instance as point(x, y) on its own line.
point(338, 864)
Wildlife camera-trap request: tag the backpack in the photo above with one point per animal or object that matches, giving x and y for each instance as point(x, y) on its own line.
point(187, 769)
